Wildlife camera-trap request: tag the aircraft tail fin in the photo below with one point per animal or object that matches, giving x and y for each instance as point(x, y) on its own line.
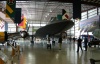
point(64, 15)
point(23, 22)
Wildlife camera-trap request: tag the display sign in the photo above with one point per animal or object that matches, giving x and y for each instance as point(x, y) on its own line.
point(10, 8)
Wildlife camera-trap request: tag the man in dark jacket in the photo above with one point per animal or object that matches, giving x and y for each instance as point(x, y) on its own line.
point(79, 41)
point(60, 43)
point(85, 43)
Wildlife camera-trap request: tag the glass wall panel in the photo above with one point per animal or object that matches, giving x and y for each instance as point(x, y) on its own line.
point(11, 25)
point(92, 13)
point(84, 15)
point(93, 10)
point(11, 30)
point(99, 11)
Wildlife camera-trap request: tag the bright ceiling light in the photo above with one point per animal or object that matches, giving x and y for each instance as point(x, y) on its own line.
point(37, 24)
point(45, 16)
point(50, 10)
point(48, 13)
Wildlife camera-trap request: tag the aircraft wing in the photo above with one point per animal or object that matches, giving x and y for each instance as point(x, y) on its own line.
point(56, 25)
point(4, 36)
point(54, 28)
point(16, 35)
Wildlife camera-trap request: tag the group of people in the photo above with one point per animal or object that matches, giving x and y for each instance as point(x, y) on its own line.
point(53, 42)
point(79, 44)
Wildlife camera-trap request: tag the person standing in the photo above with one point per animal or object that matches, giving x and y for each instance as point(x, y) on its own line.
point(60, 43)
point(73, 39)
point(32, 39)
point(85, 43)
point(79, 41)
point(48, 43)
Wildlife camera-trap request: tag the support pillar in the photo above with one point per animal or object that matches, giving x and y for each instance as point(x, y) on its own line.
point(16, 28)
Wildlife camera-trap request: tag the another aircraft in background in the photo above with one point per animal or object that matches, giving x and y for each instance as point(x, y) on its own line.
point(4, 36)
point(55, 26)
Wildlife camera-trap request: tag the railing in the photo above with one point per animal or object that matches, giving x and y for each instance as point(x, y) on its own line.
point(5, 57)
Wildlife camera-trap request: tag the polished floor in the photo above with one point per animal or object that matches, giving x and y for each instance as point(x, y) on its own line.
point(38, 54)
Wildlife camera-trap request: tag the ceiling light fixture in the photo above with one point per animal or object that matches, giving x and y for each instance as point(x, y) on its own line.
point(45, 16)
point(50, 10)
point(48, 13)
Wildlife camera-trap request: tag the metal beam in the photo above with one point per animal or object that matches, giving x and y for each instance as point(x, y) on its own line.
point(90, 3)
point(16, 0)
point(68, 1)
point(94, 3)
point(23, 0)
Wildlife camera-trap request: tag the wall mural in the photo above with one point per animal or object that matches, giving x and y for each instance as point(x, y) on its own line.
point(90, 24)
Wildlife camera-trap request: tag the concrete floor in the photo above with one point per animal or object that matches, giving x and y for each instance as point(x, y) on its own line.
point(39, 54)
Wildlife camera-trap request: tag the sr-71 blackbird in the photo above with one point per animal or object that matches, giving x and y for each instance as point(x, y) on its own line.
point(55, 26)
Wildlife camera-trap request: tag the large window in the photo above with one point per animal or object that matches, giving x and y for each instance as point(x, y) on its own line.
point(76, 28)
point(99, 11)
point(84, 15)
point(11, 28)
point(92, 13)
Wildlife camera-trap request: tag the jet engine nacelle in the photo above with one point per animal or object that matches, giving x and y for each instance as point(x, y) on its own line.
point(4, 35)
point(23, 34)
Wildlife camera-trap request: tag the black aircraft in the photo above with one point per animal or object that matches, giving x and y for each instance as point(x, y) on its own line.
point(55, 26)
